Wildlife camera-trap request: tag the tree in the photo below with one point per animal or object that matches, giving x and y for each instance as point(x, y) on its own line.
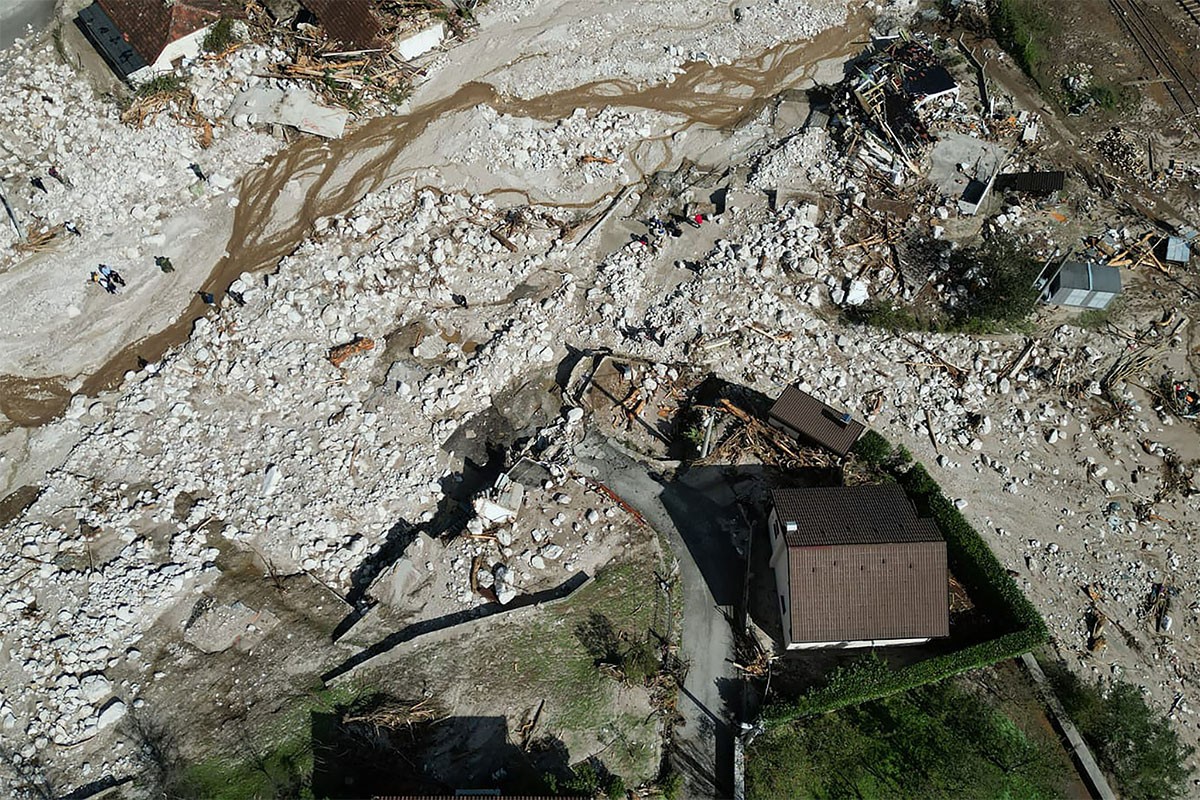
point(999, 281)
point(1140, 748)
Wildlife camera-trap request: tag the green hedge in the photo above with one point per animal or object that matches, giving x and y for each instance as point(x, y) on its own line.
point(979, 571)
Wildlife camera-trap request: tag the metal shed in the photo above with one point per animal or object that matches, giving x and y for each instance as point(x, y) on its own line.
point(1178, 251)
point(1083, 285)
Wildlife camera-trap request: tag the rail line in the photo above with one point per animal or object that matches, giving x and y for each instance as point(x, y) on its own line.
point(1149, 39)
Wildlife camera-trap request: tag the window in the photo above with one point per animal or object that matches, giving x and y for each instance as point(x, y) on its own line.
point(782, 605)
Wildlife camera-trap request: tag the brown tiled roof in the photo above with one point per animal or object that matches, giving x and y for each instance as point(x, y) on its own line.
point(351, 22)
point(862, 565)
point(842, 515)
point(860, 592)
point(815, 421)
point(150, 25)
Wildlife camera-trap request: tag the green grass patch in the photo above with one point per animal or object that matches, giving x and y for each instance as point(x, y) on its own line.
point(1019, 627)
point(1138, 747)
point(270, 764)
point(938, 741)
point(549, 658)
point(167, 83)
point(220, 36)
point(1025, 29)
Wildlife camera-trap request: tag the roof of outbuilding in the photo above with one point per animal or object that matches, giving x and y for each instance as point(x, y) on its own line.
point(841, 515)
point(150, 25)
point(1093, 277)
point(815, 420)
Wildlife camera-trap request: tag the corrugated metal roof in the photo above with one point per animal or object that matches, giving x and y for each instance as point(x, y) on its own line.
point(1178, 250)
point(809, 418)
point(1042, 183)
point(351, 22)
point(150, 25)
point(1084, 285)
point(843, 515)
point(874, 591)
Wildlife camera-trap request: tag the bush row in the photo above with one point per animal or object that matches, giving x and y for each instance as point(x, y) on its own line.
point(973, 564)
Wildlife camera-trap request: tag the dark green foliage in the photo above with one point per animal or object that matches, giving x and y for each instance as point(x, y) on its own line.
point(671, 785)
point(585, 781)
point(934, 742)
point(873, 448)
point(614, 787)
point(1105, 96)
point(1019, 626)
point(999, 280)
point(167, 83)
point(219, 36)
point(1138, 747)
point(1024, 28)
point(888, 315)
point(637, 660)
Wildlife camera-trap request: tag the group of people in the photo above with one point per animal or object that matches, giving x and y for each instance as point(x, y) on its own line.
point(108, 278)
point(657, 230)
point(111, 281)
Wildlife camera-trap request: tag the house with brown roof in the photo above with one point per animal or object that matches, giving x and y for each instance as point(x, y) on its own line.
point(142, 38)
point(813, 422)
point(856, 567)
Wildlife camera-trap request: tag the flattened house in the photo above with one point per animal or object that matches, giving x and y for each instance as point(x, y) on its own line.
point(856, 567)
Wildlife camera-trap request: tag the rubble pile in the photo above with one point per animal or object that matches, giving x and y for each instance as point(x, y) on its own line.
point(52, 120)
point(584, 47)
point(576, 152)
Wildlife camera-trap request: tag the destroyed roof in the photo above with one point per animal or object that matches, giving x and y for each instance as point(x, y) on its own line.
point(809, 418)
point(150, 25)
point(850, 515)
point(350, 22)
point(1042, 183)
point(1178, 251)
point(99, 29)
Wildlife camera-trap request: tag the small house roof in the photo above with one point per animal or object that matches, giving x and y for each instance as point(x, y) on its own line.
point(106, 37)
point(150, 25)
point(862, 565)
point(816, 421)
point(869, 592)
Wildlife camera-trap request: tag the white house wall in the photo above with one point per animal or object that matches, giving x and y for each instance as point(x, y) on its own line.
point(853, 644)
point(186, 47)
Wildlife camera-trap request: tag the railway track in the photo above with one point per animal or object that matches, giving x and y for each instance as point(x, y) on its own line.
point(1178, 79)
point(1191, 8)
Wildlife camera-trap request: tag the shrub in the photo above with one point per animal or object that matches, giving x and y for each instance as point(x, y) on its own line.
point(614, 787)
point(671, 785)
point(873, 448)
point(1139, 748)
point(167, 83)
point(220, 36)
point(1023, 28)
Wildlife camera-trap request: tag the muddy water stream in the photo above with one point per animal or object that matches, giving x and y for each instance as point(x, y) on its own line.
point(315, 178)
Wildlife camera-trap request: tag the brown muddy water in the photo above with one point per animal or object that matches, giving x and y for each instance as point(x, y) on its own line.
point(269, 222)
